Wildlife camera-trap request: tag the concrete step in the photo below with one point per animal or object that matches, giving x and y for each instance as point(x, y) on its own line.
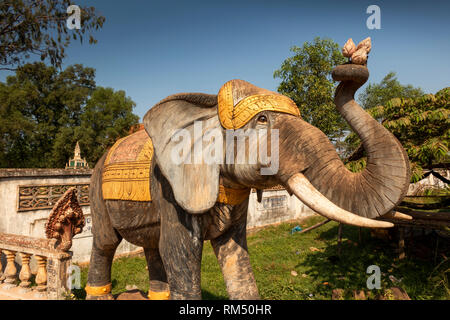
point(8, 292)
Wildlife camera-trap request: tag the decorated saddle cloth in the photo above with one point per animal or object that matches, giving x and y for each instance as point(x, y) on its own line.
point(126, 172)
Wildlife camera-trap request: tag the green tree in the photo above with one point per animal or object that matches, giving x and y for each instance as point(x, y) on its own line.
point(38, 28)
point(107, 116)
point(421, 124)
point(376, 94)
point(379, 94)
point(42, 112)
point(34, 105)
point(306, 79)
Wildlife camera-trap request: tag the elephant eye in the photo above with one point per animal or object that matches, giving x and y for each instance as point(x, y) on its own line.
point(262, 119)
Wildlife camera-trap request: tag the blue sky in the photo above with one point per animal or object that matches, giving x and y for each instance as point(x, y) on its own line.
point(155, 48)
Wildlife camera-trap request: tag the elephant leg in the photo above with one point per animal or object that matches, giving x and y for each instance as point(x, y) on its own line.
point(99, 276)
point(180, 241)
point(159, 288)
point(105, 242)
point(181, 247)
point(232, 254)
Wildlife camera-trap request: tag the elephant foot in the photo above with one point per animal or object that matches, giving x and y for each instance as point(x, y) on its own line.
point(155, 295)
point(99, 292)
point(108, 296)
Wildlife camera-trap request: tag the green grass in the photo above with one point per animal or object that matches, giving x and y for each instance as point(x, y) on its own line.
point(274, 253)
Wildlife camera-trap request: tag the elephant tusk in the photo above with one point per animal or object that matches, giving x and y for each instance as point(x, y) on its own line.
point(396, 215)
point(309, 195)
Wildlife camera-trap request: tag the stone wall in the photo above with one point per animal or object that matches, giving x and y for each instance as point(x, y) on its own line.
point(430, 182)
point(27, 196)
point(276, 206)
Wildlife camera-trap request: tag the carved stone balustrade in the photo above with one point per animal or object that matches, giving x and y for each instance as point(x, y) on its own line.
point(25, 271)
point(52, 265)
point(10, 270)
point(2, 276)
point(52, 255)
point(41, 276)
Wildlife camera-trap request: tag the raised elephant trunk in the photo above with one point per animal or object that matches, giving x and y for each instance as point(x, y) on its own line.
point(371, 193)
point(309, 195)
point(385, 180)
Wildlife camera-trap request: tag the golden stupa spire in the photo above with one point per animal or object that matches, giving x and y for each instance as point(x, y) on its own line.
point(77, 162)
point(77, 151)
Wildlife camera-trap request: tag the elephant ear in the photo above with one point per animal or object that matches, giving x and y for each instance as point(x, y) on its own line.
point(195, 184)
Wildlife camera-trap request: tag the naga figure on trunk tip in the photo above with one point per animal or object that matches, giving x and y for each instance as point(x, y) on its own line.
point(182, 180)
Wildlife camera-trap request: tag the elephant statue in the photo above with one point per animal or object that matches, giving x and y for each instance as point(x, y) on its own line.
point(142, 192)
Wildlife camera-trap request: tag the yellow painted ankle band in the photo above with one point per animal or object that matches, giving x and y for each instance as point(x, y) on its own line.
point(98, 291)
point(153, 295)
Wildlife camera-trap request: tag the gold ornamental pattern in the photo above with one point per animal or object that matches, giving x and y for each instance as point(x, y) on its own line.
point(236, 116)
point(225, 103)
point(232, 196)
point(126, 174)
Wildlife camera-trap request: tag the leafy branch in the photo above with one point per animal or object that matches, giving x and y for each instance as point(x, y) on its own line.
point(421, 124)
point(38, 28)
